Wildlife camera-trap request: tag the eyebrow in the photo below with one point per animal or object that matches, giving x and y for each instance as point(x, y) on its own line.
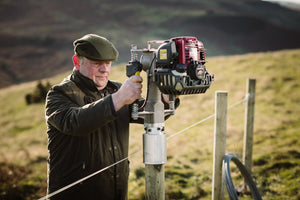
point(96, 62)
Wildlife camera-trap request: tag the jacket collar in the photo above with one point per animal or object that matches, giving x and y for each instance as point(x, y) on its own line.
point(87, 84)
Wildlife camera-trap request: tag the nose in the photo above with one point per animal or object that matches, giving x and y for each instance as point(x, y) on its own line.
point(103, 67)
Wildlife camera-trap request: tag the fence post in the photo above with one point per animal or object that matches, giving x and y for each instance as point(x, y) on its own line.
point(249, 122)
point(219, 143)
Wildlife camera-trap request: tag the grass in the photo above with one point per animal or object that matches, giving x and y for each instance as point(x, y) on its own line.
point(188, 171)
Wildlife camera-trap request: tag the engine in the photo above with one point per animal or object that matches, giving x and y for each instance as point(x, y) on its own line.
point(180, 67)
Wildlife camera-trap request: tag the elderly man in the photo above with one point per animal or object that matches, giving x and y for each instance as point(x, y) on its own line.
point(88, 120)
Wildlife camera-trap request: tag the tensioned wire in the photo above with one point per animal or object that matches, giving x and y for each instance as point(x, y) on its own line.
point(137, 152)
point(207, 118)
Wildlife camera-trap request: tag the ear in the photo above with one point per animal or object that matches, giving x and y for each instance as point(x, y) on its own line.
point(76, 62)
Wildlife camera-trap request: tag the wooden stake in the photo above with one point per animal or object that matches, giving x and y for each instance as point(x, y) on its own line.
point(219, 143)
point(249, 124)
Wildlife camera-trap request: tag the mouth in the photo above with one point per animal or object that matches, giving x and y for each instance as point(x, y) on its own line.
point(101, 77)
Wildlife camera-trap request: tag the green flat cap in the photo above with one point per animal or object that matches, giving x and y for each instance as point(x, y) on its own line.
point(95, 47)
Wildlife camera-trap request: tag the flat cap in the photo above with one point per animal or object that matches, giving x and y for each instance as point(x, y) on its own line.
point(95, 47)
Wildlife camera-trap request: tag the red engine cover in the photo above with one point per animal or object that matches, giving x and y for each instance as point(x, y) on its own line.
point(189, 47)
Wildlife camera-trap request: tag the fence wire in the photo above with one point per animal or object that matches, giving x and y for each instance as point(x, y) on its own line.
point(137, 152)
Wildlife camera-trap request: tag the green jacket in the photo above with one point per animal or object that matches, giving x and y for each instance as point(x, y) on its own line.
point(85, 134)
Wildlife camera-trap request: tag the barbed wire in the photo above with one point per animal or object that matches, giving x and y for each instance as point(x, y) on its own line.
point(137, 152)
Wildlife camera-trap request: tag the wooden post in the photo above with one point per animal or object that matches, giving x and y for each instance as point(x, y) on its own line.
point(155, 179)
point(249, 122)
point(219, 143)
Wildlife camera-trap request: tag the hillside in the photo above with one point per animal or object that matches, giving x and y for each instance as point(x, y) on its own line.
point(276, 151)
point(36, 36)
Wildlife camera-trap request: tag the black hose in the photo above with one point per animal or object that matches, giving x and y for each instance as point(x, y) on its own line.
point(228, 180)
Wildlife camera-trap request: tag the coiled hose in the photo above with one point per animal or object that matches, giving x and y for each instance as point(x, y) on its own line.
point(228, 180)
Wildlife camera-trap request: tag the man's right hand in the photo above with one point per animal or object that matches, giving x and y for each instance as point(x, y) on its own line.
point(130, 91)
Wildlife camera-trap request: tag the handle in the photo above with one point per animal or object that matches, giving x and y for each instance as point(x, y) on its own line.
point(135, 106)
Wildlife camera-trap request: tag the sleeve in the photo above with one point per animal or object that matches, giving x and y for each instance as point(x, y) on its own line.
point(63, 113)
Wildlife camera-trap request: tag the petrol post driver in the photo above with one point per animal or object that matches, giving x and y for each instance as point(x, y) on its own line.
point(176, 67)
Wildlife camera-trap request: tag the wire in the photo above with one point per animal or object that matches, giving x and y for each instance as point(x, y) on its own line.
point(228, 180)
point(207, 118)
point(195, 124)
point(241, 101)
point(87, 177)
point(133, 154)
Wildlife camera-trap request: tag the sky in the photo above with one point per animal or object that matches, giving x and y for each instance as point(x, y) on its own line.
point(286, 1)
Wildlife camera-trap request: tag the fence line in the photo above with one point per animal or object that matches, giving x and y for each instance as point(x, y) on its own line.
point(135, 153)
point(221, 132)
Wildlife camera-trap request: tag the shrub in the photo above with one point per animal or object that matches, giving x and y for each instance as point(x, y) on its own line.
point(39, 94)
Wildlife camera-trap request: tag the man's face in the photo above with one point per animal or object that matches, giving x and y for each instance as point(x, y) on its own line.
point(98, 71)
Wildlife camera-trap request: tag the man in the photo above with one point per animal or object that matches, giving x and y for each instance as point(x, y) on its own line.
point(88, 120)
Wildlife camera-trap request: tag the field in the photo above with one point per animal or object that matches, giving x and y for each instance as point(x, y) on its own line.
point(188, 171)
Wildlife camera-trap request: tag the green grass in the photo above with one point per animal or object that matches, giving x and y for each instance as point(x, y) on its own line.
point(188, 171)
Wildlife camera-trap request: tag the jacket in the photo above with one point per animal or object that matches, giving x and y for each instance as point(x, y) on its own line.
point(85, 134)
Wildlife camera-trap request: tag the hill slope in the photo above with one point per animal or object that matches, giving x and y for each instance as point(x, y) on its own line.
point(36, 36)
point(276, 151)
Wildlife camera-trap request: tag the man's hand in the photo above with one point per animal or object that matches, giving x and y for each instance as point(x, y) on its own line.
point(130, 91)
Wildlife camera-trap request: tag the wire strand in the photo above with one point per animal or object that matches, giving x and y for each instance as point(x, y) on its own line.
point(195, 124)
point(87, 177)
point(207, 118)
point(237, 103)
